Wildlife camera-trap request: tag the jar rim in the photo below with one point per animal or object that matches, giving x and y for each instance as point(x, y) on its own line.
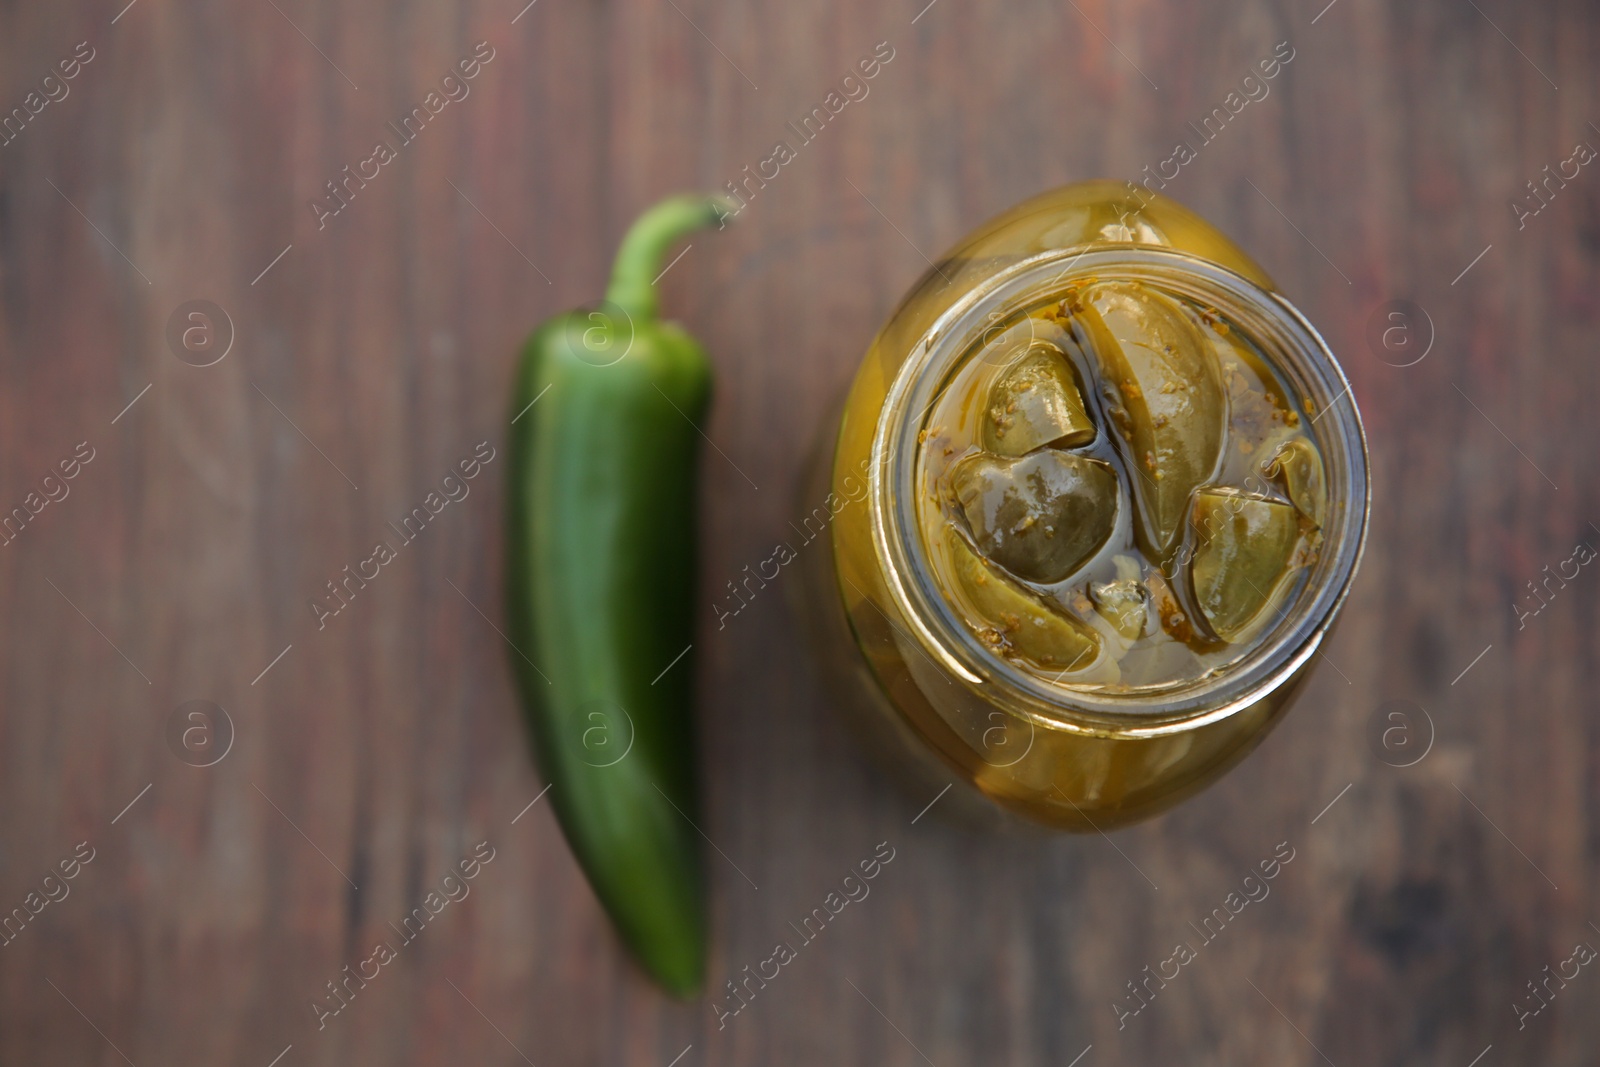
point(1298, 352)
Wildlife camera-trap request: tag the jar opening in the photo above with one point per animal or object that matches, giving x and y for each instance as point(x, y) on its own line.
point(1296, 352)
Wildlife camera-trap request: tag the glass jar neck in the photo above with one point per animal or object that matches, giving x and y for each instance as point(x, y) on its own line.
point(1297, 352)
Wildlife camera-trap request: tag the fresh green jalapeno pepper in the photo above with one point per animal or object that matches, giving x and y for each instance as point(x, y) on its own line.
point(604, 441)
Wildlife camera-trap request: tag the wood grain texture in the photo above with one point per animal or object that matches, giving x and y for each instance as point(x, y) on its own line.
point(378, 351)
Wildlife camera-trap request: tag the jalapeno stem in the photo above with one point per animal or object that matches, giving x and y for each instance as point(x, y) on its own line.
point(639, 259)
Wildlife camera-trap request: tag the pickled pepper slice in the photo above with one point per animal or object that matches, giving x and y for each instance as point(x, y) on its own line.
point(1245, 544)
point(1167, 399)
point(1015, 623)
point(1036, 403)
point(1298, 466)
point(1040, 516)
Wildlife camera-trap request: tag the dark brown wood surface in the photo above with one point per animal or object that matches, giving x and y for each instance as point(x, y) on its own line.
point(376, 353)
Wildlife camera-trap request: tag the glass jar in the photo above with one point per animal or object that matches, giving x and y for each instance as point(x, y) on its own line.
point(939, 702)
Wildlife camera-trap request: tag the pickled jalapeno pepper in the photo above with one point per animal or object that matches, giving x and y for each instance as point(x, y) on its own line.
point(1122, 491)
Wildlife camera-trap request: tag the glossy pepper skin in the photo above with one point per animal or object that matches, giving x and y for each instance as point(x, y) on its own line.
point(603, 453)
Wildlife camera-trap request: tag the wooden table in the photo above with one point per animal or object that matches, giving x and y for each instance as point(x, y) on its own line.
point(371, 751)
